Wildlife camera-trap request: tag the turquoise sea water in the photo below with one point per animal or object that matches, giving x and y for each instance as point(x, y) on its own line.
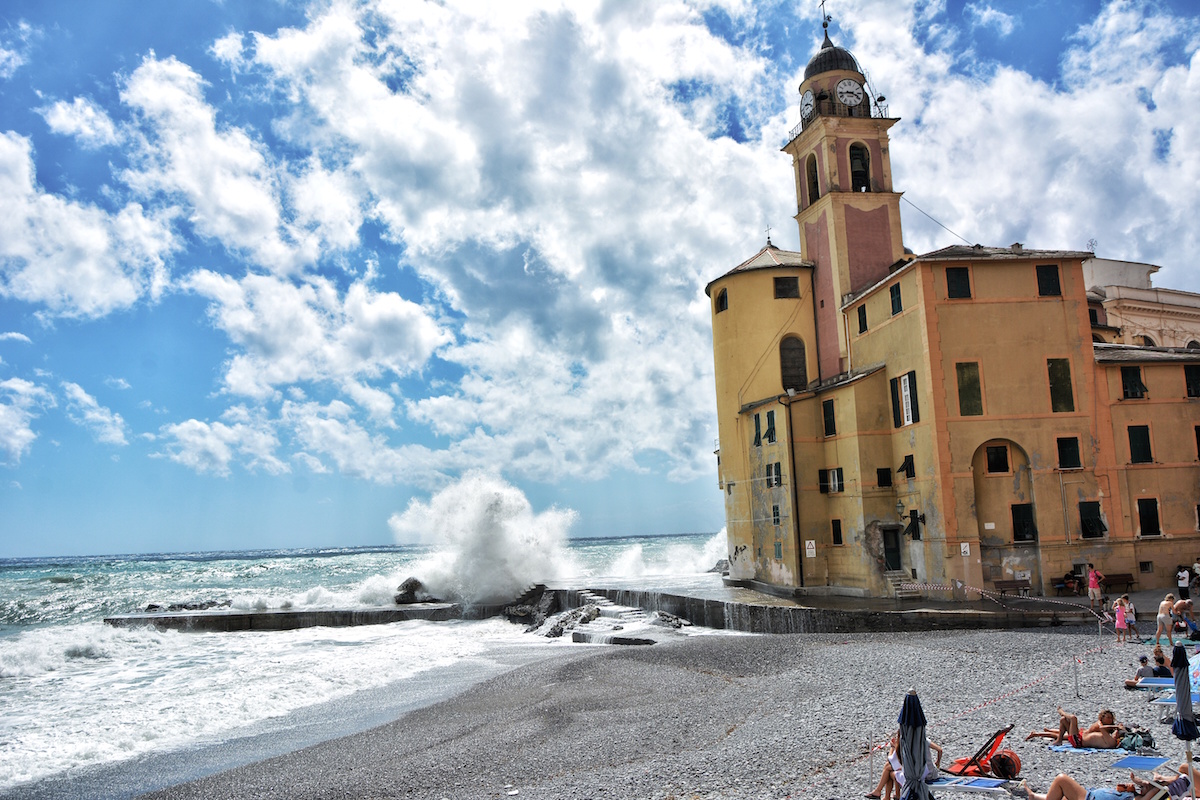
point(77, 693)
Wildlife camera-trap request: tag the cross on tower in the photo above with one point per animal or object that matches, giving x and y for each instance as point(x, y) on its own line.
point(824, 17)
point(768, 234)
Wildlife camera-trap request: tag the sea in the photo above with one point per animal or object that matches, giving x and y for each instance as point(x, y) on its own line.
point(142, 708)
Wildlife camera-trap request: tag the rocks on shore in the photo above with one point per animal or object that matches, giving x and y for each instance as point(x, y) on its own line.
point(532, 608)
point(198, 605)
point(721, 566)
point(413, 591)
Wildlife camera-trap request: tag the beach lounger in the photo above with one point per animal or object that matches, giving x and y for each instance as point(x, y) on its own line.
point(969, 783)
point(978, 764)
point(1156, 683)
point(1140, 763)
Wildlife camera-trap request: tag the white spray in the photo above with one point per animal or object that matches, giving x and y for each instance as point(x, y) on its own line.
point(491, 543)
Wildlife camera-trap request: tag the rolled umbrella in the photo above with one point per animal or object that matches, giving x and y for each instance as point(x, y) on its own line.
point(1184, 726)
point(914, 748)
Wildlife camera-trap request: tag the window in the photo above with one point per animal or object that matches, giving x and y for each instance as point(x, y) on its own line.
point(958, 282)
point(787, 288)
point(722, 301)
point(757, 430)
point(1062, 398)
point(860, 169)
point(1148, 516)
point(830, 481)
point(1068, 453)
point(769, 434)
point(970, 395)
point(778, 551)
point(1148, 342)
point(1145, 567)
point(1131, 383)
point(897, 305)
point(830, 418)
point(1024, 526)
point(862, 319)
point(904, 400)
point(1139, 445)
point(1193, 345)
point(793, 364)
point(777, 479)
point(883, 477)
point(908, 467)
point(775, 517)
point(814, 186)
point(1093, 316)
point(1090, 523)
point(997, 458)
point(835, 526)
point(1047, 278)
point(1198, 441)
point(1191, 377)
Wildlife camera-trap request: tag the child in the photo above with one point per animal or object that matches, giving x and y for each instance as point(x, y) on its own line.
point(1131, 619)
point(1119, 606)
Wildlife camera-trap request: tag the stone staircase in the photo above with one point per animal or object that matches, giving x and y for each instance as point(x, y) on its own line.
point(895, 577)
point(613, 619)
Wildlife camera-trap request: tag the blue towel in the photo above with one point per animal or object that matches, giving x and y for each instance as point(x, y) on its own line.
point(1066, 748)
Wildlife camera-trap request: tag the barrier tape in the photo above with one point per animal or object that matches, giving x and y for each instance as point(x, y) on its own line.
point(994, 596)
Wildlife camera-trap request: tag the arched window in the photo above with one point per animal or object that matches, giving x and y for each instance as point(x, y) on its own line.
point(722, 301)
point(814, 185)
point(1193, 345)
point(1148, 342)
point(793, 364)
point(1098, 339)
point(860, 169)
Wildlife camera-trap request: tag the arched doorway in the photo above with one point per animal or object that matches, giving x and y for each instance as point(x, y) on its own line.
point(1006, 512)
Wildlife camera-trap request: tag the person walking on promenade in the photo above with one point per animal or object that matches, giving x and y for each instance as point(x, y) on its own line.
point(1095, 598)
point(1165, 620)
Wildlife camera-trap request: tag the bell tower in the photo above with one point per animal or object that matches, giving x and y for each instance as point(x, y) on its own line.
point(848, 214)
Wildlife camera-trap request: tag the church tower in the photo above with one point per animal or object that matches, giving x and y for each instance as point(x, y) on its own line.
point(848, 214)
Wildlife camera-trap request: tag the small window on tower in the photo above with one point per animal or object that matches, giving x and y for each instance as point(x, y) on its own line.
point(814, 185)
point(787, 287)
point(722, 301)
point(897, 302)
point(862, 319)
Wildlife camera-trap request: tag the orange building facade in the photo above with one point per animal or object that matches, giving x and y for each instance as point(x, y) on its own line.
point(887, 419)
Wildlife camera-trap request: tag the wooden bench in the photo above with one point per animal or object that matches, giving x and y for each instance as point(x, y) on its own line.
point(1119, 579)
point(1020, 586)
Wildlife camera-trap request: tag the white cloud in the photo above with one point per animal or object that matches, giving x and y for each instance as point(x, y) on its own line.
point(82, 119)
point(12, 336)
point(213, 447)
point(292, 332)
point(75, 259)
point(106, 425)
point(20, 403)
point(14, 47)
point(982, 15)
point(225, 177)
point(228, 49)
point(116, 383)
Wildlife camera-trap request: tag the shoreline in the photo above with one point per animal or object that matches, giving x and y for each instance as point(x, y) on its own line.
point(719, 716)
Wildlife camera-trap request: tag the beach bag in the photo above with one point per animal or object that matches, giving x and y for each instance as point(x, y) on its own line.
point(1005, 765)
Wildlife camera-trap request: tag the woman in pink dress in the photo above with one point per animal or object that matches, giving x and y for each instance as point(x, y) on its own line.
point(1122, 626)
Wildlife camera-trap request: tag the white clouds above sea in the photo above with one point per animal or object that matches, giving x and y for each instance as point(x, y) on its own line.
point(432, 237)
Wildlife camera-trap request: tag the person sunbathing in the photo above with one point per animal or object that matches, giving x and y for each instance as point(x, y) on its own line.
point(1104, 734)
point(1064, 787)
point(892, 779)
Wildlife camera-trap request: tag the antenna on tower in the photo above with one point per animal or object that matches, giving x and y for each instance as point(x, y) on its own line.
point(825, 18)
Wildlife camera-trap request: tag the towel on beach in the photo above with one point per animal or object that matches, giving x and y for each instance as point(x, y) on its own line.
point(1066, 748)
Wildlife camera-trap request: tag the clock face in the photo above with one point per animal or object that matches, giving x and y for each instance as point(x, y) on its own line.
point(849, 91)
point(806, 104)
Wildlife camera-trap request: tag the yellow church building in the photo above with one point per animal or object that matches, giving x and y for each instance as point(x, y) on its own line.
point(973, 414)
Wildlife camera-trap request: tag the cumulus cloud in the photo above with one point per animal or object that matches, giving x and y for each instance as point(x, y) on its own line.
point(982, 15)
point(75, 259)
point(15, 44)
point(21, 402)
point(213, 447)
point(84, 120)
point(291, 332)
point(106, 425)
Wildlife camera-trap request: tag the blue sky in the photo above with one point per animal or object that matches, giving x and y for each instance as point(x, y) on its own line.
point(271, 271)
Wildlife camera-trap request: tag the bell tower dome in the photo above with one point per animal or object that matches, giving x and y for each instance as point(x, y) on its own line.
point(848, 214)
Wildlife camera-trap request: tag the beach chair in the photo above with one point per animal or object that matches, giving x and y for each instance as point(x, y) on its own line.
point(1135, 763)
point(978, 764)
point(968, 783)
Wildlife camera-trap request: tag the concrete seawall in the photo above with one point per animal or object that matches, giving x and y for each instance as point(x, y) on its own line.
point(793, 618)
point(278, 620)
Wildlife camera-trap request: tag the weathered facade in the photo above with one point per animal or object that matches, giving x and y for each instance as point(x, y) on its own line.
point(976, 413)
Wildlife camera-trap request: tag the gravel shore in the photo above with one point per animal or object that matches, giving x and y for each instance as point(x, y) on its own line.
point(721, 716)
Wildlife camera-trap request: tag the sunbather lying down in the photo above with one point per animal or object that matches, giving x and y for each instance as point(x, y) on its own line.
point(1064, 787)
point(1104, 734)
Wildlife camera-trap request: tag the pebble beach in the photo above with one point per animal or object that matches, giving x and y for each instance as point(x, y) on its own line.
point(722, 716)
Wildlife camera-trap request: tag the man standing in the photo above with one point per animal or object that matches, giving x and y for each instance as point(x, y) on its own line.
point(1094, 596)
point(1184, 578)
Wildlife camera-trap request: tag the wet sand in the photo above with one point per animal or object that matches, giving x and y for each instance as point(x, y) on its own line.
point(719, 716)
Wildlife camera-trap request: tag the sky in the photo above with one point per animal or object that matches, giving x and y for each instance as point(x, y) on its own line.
point(272, 273)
